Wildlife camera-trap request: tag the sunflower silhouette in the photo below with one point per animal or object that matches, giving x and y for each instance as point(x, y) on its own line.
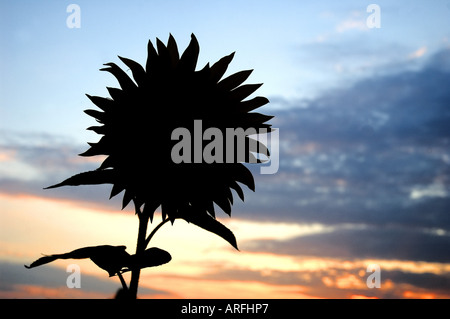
point(137, 122)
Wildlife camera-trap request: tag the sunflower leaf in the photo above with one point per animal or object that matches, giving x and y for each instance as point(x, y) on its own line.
point(151, 257)
point(210, 224)
point(88, 178)
point(110, 258)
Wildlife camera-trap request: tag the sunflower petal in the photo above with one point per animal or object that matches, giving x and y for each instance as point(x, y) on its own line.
point(107, 163)
point(150, 208)
point(137, 70)
point(188, 60)
point(219, 68)
point(257, 146)
point(102, 102)
point(152, 58)
point(96, 149)
point(250, 105)
point(124, 80)
point(238, 190)
point(127, 197)
point(116, 94)
point(244, 176)
point(210, 208)
point(116, 189)
point(101, 130)
point(88, 178)
point(234, 80)
point(173, 50)
point(100, 116)
point(244, 91)
point(163, 53)
point(257, 118)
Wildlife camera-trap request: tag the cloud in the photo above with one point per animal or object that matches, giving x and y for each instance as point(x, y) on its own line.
point(418, 53)
point(368, 242)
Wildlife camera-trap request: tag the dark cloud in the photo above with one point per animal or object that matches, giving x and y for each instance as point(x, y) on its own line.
point(357, 154)
point(363, 242)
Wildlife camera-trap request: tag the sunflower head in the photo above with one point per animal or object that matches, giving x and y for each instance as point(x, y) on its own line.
point(137, 122)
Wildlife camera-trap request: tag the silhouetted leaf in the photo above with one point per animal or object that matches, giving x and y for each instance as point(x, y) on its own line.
point(110, 258)
point(88, 178)
point(151, 257)
point(212, 225)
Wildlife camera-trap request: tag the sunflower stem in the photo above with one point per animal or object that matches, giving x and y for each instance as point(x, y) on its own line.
point(140, 248)
point(122, 281)
point(147, 241)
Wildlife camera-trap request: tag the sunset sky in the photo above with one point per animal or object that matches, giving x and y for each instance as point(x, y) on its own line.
point(364, 147)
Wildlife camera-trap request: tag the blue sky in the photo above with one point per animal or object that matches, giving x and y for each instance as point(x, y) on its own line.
point(297, 48)
point(363, 117)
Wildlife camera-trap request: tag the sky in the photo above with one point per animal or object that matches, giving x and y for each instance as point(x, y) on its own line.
point(362, 114)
